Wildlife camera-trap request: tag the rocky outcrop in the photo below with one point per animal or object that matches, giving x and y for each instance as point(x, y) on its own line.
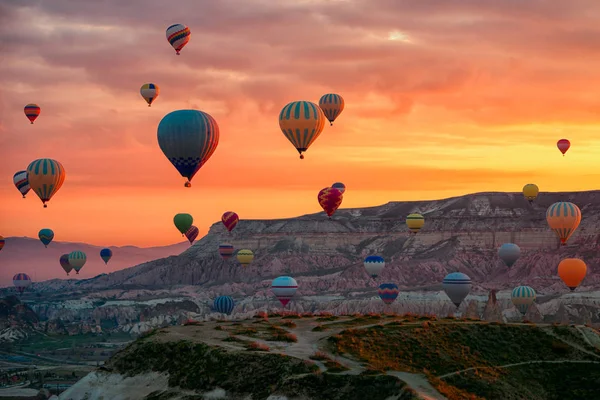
point(492, 311)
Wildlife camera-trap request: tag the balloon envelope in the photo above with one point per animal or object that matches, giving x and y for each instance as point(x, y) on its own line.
point(77, 260)
point(509, 253)
point(563, 145)
point(339, 186)
point(224, 304)
point(46, 235)
point(21, 182)
point(64, 263)
point(21, 281)
point(330, 199)
point(46, 177)
point(332, 105)
point(301, 122)
point(531, 191)
point(563, 218)
point(388, 292)
point(230, 220)
point(572, 271)
point(32, 111)
point(178, 36)
point(457, 286)
point(149, 92)
point(226, 251)
point(523, 297)
point(183, 222)
point(192, 234)
point(245, 257)
point(106, 255)
point(284, 288)
point(415, 222)
point(188, 138)
point(2, 242)
point(374, 265)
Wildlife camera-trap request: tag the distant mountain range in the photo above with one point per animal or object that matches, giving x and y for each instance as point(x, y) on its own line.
point(23, 254)
point(326, 256)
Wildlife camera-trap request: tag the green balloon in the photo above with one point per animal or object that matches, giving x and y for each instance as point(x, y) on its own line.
point(183, 222)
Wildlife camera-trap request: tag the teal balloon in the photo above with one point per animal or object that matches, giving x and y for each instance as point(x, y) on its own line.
point(188, 138)
point(46, 235)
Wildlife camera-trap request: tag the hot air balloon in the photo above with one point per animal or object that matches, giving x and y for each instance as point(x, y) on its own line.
point(188, 138)
point(563, 145)
point(563, 218)
point(45, 177)
point(572, 271)
point(457, 286)
point(32, 111)
point(77, 260)
point(415, 222)
point(224, 305)
point(530, 191)
point(339, 186)
point(330, 199)
point(178, 36)
point(374, 265)
point(149, 92)
point(21, 281)
point(332, 106)
point(230, 220)
point(64, 263)
point(284, 288)
point(226, 250)
point(388, 292)
point(2, 242)
point(509, 253)
point(522, 297)
point(106, 254)
point(301, 122)
point(245, 257)
point(183, 222)
point(21, 182)
point(46, 235)
point(192, 234)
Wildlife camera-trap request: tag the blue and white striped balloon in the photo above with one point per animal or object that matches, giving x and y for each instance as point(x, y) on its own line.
point(21, 182)
point(284, 288)
point(523, 297)
point(224, 304)
point(457, 286)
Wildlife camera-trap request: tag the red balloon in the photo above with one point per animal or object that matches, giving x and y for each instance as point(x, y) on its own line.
point(563, 145)
point(230, 220)
point(330, 199)
point(192, 234)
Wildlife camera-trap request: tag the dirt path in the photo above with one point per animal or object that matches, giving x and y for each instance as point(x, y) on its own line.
point(521, 363)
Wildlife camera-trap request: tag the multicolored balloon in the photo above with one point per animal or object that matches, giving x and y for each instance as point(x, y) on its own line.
point(301, 122)
point(46, 235)
point(106, 254)
point(572, 271)
point(415, 222)
point(226, 251)
point(284, 288)
point(2, 242)
point(230, 220)
point(32, 111)
point(332, 105)
point(509, 253)
point(374, 265)
point(178, 36)
point(21, 182)
point(339, 186)
point(388, 292)
point(531, 191)
point(46, 177)
point(245, 257)
point(563, 145)
point(330, 199)
point(192, 233)
point(149, 92)
point(183, 222)
point(22, 282)
point(224, 304)
point(457, 287)
point(64, 263)
point(563, 218)
point(523, 297)
point(77, 260)
point(188, 138)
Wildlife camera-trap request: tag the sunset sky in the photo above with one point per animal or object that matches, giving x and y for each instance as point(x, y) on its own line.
point(443, 98)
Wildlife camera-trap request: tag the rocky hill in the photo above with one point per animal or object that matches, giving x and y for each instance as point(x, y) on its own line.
point(352, 357)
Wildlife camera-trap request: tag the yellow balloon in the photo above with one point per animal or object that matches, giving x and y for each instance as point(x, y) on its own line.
point(531, 191)
point(245, 257)
point(45, 177)
point(301, 122)
point(415, 222)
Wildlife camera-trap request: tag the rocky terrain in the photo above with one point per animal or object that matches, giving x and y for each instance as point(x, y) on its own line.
point(325, 257)
point(375, 356)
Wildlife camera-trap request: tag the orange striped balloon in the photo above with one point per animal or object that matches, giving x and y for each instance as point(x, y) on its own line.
point(301, 122)
point(45, 176)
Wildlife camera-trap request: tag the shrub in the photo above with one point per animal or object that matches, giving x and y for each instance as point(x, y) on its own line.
point(319, 328)
point(255, 346)
point(319, 355)
point(288, 324)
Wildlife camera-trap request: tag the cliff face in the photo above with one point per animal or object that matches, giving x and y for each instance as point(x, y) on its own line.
point(325, 256)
